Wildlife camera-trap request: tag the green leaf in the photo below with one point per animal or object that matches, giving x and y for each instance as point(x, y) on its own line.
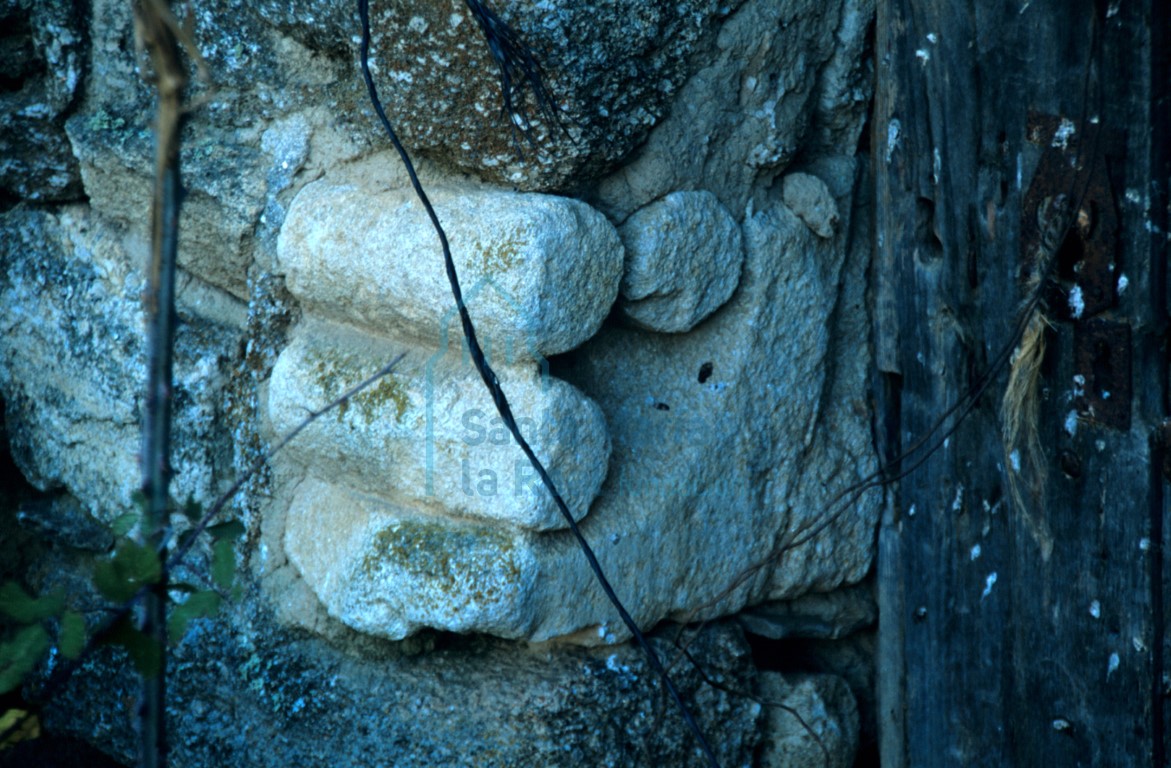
point(123, 523)
point(71, 638)
point(199, 605)
point(132, 566)
point(233, 529)
point(146, 654)
point(223, 563)
point(17, 725)
point(20, 655)
point(22, 607)
point(138, 498)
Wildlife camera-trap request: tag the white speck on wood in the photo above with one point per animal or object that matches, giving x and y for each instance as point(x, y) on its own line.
point(988, 582)
point(1077, 303)
point(1064, 132)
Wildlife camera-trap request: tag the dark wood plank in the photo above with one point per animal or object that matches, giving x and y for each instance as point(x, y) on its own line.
point(1019, 637)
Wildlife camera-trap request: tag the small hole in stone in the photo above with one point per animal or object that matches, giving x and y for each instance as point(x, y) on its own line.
point(705, 372)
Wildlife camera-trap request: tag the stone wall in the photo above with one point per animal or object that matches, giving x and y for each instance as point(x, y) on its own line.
point(666, 268)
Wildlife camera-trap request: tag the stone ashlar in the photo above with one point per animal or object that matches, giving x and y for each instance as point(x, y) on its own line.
point(539, 273)
point(700, 468)
point(427, 434)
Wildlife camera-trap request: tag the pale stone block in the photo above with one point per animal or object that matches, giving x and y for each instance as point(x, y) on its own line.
point(73, 366)
point(726, 446)
point(539, 273)
point(428, 434)
point(809, 197)
point(683, 257)
point(390, 571)
point(730, 443)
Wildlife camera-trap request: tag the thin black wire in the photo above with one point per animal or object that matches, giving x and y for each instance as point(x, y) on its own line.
point(501, 402)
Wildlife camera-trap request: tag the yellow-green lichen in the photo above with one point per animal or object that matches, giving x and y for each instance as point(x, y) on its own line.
point(335, 372)
point(502, 255)
point(375, 399)
point(468, 564)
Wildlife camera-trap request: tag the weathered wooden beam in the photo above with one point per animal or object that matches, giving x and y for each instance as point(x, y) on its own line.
point(1032, 633)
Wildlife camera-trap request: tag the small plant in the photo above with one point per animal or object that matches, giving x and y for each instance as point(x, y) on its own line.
point(38, 628)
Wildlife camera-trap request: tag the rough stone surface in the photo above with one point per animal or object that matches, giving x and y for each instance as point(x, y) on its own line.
point(245, 692)
point(703, 462)
point(610, 69)
point(539, 273)
point(224, 200)
point(755, 482)
point(740, 119)
point(731, 438)
point(391, 571)
point(683, 257)
point(829, 736)
point(42, 72)
point(809, 197)
point(428, 434)
point(844, 443)
point(853, 659)
point(73, 365)
point(234, 180)
point(845, 84)
point(60, 518)
point(829, 615)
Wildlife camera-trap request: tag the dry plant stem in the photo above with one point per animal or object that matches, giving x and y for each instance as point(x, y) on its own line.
point(501, 402)
point(1020, 412)
point(1020, 407)
point(156, 29)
